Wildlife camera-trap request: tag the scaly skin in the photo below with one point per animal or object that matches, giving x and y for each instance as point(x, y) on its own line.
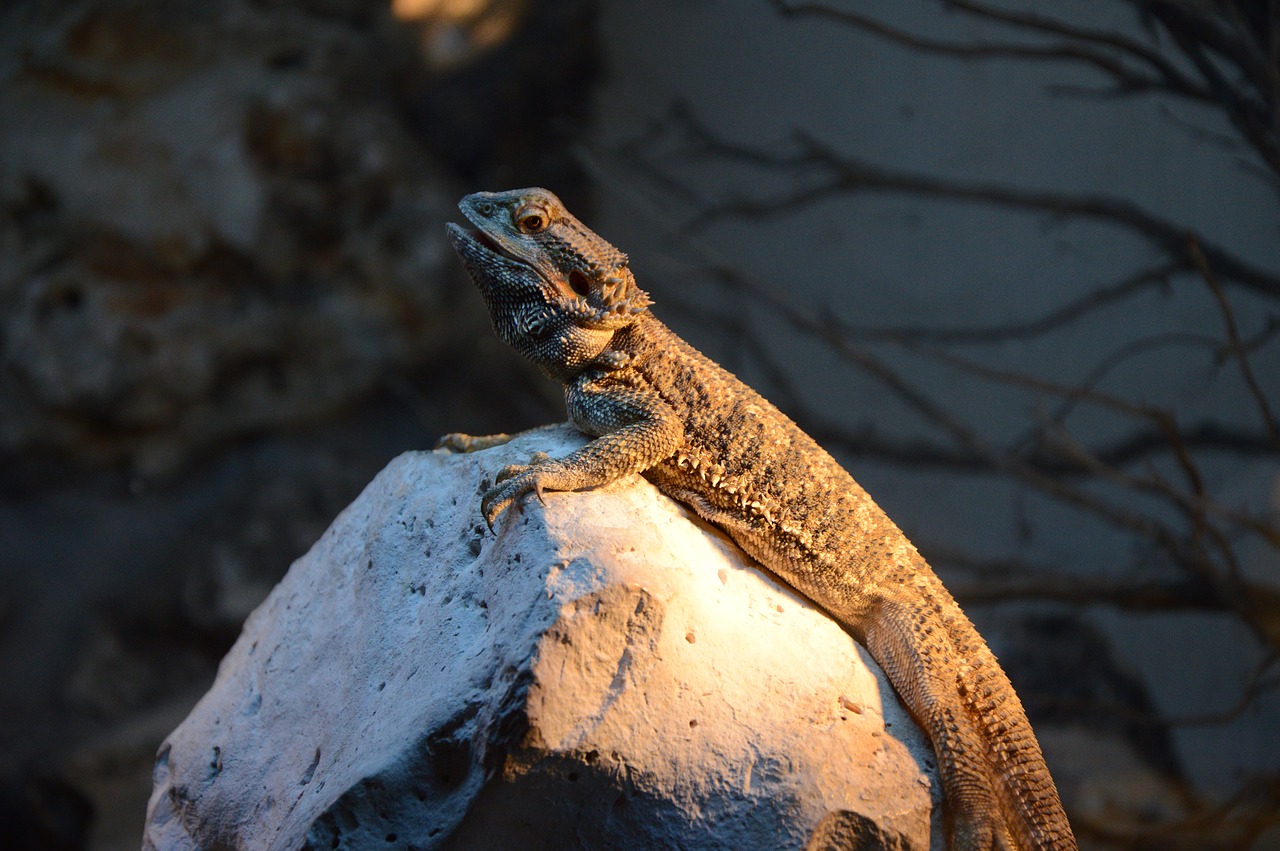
point(564, 298)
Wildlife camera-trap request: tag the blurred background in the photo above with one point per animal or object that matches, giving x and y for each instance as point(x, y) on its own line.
point(1016, 264)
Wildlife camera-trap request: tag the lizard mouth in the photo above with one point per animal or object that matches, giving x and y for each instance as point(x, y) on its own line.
point(476, 243)
point(488, 242)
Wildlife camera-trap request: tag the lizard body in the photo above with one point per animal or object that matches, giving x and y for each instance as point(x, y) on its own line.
point(564, 298)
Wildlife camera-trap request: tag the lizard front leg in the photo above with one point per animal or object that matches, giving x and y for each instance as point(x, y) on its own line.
point(635, 429)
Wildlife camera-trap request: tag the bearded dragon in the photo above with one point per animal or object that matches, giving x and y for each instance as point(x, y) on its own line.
point(566, 299)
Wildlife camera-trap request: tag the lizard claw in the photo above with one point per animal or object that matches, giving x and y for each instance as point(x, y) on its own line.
point(513, 482)
point(491, 511)
point(493, 503)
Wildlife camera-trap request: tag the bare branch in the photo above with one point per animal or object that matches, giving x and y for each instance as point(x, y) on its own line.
point(1075, 49)
point(1209, 37)
point(1106, 296)
point(1138, 445)
point(1234, 341)
point(845, 175)
point(988, 581)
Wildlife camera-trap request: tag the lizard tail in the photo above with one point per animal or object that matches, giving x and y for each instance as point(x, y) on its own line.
point(1027, 790)
point(997, 785)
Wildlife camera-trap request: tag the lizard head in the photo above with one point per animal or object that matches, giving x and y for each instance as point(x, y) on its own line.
point(532, 226)
point(534, 315)
point(556, 292)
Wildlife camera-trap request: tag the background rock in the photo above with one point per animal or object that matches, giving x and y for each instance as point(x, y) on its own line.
point(212, 224)
point(606, 672)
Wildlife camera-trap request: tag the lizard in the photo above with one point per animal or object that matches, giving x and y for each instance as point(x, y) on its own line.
point(567, 300)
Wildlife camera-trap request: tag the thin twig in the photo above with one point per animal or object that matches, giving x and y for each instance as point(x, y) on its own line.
point(1233, 339)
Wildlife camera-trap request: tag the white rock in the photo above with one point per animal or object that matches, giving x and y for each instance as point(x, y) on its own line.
point(604, 672)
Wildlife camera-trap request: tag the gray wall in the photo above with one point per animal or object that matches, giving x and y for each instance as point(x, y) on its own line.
point(896, 260)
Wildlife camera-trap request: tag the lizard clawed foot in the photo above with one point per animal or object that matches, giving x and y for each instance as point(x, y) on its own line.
point(463, 443)
point(513, 482)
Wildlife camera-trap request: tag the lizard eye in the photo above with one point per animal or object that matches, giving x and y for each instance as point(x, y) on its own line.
point(531, 219)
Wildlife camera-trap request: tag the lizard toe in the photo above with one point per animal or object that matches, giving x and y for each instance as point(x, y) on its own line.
point(509, 472)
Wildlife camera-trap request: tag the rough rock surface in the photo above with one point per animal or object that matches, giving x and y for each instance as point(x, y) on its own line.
point(606, 671)
point(212, 221)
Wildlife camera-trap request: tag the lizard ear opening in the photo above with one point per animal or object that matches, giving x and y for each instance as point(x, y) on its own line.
point(579, 283)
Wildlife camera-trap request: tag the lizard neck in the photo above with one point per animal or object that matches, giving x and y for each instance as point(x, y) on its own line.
point(631, 346)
